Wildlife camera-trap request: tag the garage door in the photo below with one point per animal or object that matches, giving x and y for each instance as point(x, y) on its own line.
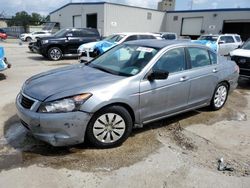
point(241, 27)
point(191, 26)
point(77, 21)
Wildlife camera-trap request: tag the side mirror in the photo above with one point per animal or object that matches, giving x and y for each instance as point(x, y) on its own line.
point(221, 42)
point(158, 75)
point(69, 35)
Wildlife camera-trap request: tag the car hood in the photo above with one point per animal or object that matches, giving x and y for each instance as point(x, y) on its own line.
point(90, 46)
point(240, 52)
point(71, 79)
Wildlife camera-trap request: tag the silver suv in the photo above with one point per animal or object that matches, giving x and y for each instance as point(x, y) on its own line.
point(130, 85)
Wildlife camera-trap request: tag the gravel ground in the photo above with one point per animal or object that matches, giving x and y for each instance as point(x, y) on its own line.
point(182, 151)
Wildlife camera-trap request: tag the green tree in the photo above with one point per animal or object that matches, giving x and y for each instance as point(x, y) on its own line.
point(24, 19)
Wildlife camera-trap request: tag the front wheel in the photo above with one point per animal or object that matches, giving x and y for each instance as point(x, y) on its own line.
point(219, 97)
point(55, 53)
point(109, 127)
point(28, 39)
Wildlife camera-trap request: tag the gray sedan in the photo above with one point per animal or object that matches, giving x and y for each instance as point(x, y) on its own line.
point(130, 85)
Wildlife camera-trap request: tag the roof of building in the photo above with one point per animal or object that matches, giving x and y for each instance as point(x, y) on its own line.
point(100, 3)
point(211, 10)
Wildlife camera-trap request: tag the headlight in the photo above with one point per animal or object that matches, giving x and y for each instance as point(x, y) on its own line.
point(45, 41)
point(65, 105)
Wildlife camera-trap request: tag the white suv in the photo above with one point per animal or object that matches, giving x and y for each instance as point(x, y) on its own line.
point(33, 36)
point(223, 44)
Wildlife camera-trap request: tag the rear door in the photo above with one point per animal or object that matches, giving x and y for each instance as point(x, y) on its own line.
point(159, 98)
point(202, 75)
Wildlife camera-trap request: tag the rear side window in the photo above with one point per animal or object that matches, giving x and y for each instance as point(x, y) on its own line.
point(198, 57)
point(213, 57)
point(169, 36)
point(227, 39)
point(88, 32)
point(172, 61)
point(238, 39)
point(130, 38)
point(146, 37)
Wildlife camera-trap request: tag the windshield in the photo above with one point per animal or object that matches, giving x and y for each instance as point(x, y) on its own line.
point(114, 38)
point(61, 33)
point(210, 38)
point(124, 60)
point(246, 45)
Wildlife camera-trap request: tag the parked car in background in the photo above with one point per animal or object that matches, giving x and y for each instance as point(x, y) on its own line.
point(168, 35)
point(223, 44)
point(90, 50)
point(242, 57)
point(3, 60)
point(3, 34)
point(65, 42)
point(130, 85)
point(34, 35)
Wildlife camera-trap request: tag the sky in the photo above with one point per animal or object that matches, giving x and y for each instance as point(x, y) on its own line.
point(44, 7)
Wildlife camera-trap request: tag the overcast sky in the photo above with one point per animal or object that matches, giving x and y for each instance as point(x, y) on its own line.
point(43, 7)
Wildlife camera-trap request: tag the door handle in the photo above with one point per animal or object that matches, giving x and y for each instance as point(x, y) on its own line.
point(215, 70)
point(184, 78)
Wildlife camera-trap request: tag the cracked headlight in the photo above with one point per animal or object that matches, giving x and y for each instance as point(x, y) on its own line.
point(65, 105)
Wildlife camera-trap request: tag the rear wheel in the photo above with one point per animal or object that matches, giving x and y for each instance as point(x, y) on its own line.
point(109, 127)
point(219, 97)
point(55, 53)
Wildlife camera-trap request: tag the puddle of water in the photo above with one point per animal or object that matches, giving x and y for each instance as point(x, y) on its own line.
point(29, 151)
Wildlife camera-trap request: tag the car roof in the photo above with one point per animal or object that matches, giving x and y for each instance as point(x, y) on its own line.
point(133, 33)
point(155, 43)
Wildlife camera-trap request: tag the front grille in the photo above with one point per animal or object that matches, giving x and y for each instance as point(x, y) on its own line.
point(26, 102)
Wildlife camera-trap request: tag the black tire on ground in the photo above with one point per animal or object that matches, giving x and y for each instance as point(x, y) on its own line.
point(28, 39)
point(114, 112)
point(55, 53)
point(218, 94)
point(45, 55)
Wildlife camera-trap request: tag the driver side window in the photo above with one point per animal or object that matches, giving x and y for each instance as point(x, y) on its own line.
point(172, 61)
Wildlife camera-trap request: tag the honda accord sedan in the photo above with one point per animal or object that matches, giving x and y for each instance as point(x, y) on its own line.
point(128, 86)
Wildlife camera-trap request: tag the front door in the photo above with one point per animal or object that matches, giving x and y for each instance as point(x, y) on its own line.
point(159, 98)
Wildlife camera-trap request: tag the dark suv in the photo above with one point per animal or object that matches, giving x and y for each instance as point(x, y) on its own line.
point(65, 42)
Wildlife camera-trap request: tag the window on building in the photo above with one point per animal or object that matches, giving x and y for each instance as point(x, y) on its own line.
point(149, 16)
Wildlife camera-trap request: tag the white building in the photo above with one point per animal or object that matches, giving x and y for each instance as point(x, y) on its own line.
point(111, 18)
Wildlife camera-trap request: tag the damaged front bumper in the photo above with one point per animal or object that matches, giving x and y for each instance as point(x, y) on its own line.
point(57, 129)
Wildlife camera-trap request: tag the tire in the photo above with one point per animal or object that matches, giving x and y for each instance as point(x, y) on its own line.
point(28, 39)
point(55, 53)
point(219, 97)
point(45, 55)
point(109, 127)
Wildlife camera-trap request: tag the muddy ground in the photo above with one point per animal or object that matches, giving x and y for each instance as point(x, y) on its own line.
point(182, 151)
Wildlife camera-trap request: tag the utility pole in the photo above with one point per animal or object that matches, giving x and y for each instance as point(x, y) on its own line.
point(191, 4)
